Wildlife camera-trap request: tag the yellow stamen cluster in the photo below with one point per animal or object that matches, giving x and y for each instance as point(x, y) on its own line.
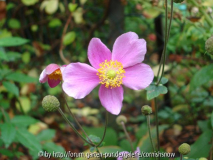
point(111, 73)
point(56, 75)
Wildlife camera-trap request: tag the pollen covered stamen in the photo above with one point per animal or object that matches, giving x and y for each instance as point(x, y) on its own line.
point(111, 73)
point(56, 75)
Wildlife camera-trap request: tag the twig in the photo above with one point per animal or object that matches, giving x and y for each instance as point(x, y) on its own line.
point(61, 45)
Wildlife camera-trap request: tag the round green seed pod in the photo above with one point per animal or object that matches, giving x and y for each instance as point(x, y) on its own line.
point(146, 110)
point(202, 158)
point(178, 1)
point(120, 119)
point(184, 149)
point(209, 45)
point(50, 103)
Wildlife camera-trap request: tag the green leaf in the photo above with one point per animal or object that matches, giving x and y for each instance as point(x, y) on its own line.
point(163, 80)
point(26, 57)
point(154, 91)
point(12, 56)
point(92, 149)
point(51, 147)
point(23, 121)
point(55, 23)
point(72, 7)
point(14, 23)
point(69, 38)
point(197, 149)
point(203, 76)
point(11, 87)
point(8, 133)
point(212, 120)
point(12, 41)
point(29, 2)
point(29, 141)
point(3, 56)
point(20, 77)
point(6, 152)
point(46, 135)
point(94, 139)
point(110, 137)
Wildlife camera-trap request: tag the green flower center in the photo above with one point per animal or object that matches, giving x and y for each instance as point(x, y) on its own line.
point(111, 74)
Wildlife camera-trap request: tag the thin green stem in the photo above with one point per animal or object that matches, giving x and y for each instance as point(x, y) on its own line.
point(170, 21)
point(149, 129)
point(4, 115)
point(127, 135)
point(79, 125)
point(181, 157)
point(105, 128)
point(71, 125)
point(99, 153)
point(163, 57)
point(157, 126)
point(162, 61)
point(203, 11)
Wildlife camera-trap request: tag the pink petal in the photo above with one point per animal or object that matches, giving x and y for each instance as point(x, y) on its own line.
point(138, 76)
point(79, 80)
point(51, 68)
point(62, 68)
point(43, 77)
point(53, 83)
point(111, 99)
point(137, 152)
point(98, 52)
point(128, 49)
point(123, 155)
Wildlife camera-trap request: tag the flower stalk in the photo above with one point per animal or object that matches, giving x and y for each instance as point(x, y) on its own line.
point(127, 135)
point(149, 129)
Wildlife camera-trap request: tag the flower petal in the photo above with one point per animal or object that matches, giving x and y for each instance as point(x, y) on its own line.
point(98, 52)
point(123, 155)
point(53, 83)
point(79, 80)
point(43, 77)
point(51, 68)
point(128, 49)
point(111, 99)
point(138, 76)
point(62, 68)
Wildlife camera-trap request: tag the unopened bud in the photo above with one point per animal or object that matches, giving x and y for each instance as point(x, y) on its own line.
point(209, 45)
point(121, 119)
point(184, 149)
point(50, 103)
point(146, 110)
point(178, 1)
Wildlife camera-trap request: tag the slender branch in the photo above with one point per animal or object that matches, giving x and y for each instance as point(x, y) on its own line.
point(71, 125)
point(181, 157)
point(70, 112)
point(127, 135)
point(99, 153)
point(61, 44)
point(149, 129)
point(157, 126)
point(106, 122)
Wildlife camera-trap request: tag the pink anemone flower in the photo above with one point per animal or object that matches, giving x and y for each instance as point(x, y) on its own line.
point(126, 155)
point(111, 70)
point(52, 74)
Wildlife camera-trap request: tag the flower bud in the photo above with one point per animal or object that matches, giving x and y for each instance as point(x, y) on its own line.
point(184, 149)
point(50, 103)
point(209, 45)
point(178, 1)
point(120, 119)
point(146, 110)
point(202, 158)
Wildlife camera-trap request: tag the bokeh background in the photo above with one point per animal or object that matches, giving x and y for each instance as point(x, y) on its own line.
point(60, 31)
